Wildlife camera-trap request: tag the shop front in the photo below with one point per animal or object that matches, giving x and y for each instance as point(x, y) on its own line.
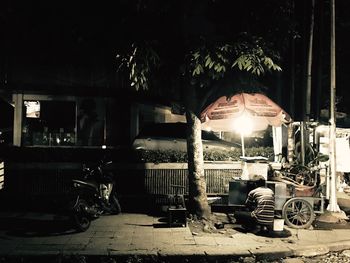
point(54, 121)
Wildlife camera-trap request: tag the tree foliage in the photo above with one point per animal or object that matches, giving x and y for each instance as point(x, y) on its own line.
point(211, 62)
point(140, 63)
point(202, 65)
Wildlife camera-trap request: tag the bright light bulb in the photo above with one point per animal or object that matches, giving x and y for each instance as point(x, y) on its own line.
point(243, 125)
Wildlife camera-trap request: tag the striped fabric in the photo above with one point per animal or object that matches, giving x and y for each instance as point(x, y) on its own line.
point(263, 201)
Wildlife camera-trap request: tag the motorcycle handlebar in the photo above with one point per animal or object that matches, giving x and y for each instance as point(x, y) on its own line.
point(109, 162)
point(99, 165)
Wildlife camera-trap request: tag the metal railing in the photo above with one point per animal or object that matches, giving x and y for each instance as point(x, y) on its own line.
point(148, 178)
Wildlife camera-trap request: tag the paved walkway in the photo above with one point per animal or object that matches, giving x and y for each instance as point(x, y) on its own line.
point(138, 234)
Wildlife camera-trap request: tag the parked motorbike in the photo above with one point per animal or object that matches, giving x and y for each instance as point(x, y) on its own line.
point(96, 195)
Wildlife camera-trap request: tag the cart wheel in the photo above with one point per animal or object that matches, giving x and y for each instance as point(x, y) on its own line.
point(303, 175)
point(298, 213)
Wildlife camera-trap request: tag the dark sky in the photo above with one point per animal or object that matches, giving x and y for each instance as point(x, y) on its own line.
point(60, 27)
point(50, 39)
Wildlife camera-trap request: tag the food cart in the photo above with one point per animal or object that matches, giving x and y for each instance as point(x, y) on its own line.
point(298, 191)
point(296, 200)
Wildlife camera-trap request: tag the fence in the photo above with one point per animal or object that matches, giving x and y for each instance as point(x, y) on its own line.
point(159, 178)
point(140, 179)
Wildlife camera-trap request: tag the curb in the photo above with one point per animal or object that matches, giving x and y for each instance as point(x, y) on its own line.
point(266, 253)
point(218, 253)
point(306, 251)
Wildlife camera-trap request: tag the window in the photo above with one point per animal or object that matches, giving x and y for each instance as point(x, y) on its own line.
point(78, 122)
point(90, 122)
point(49, 123)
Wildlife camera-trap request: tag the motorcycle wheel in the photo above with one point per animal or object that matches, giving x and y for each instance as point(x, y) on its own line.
point(80, 218)
point(115, 208)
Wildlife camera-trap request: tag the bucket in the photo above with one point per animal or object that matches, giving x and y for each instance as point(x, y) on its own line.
point(278, 224)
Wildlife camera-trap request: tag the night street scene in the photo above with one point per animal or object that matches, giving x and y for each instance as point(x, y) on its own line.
point(205, 131)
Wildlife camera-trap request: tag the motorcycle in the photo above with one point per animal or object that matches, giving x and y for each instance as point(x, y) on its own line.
point(96, 195)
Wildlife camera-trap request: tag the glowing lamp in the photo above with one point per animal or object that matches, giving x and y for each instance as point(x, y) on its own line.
point(243, 125)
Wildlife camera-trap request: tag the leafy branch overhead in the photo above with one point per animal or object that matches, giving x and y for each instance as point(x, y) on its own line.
point(251, 55)
point(209, 61)
point(139, 62)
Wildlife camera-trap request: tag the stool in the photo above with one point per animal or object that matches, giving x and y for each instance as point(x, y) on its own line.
point(177, 211)
point(177, 217)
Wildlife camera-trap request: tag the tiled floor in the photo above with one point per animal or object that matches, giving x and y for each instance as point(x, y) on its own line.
point(136, 233)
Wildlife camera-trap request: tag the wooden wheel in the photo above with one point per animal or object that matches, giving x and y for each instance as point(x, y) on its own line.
point(298, 213)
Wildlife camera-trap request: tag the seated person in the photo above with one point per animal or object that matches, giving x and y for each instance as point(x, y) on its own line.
point(261, 205)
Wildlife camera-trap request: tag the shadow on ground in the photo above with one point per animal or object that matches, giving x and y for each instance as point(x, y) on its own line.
point(329, 226)
point(23, 227)
point(271, 234)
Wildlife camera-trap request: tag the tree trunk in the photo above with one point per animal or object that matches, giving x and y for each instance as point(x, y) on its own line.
point(198, 202)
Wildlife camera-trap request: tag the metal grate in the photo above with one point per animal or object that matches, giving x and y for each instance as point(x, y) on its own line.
point(159, 181)
point(218, 179)
point(152, 179)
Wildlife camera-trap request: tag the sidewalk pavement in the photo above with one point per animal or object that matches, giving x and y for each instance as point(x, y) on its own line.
point(137, 234)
